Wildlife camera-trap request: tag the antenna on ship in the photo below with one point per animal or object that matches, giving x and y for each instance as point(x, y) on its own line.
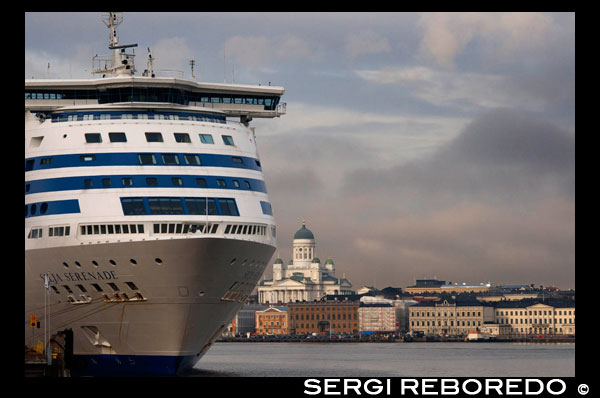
point(121, 63)
point(150, 70)
point(192, 63)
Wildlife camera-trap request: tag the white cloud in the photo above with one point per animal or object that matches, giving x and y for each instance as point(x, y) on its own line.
point(465, 91)
point(446, 35)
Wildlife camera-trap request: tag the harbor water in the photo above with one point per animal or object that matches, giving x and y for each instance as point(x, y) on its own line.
point(387, 360)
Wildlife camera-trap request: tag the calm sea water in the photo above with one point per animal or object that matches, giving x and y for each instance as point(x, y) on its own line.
point(388, 360)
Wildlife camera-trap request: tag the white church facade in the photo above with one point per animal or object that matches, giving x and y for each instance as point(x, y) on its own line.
point(305, 278)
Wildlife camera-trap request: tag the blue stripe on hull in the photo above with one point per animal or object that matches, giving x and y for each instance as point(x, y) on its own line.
point(127, 365)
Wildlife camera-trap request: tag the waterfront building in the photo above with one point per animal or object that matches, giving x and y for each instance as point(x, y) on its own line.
point(450, 316)
point(436, 286)
point(537, 316)
point(244, 321)
point(323, 317)
point(305, 278)
point(496, 329)
point(377, 317)
point(368, 317)
point(273, 320)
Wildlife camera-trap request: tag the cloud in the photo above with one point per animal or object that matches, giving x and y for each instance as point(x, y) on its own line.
point(462, 91)
point(447, 35)
point(366, 42)
point(262, 51)
point(170, 54)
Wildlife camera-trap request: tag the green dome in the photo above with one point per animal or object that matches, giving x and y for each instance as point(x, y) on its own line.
point(316, 260)
point(329, 261)
point(278, 261)
point(304, 233)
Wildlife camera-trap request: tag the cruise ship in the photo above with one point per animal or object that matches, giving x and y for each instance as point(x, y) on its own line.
point(147, 219)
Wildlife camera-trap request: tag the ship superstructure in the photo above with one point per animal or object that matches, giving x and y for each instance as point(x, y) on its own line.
point(146, 209)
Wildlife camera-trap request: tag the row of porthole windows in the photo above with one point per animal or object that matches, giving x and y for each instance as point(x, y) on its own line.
point(112, 262)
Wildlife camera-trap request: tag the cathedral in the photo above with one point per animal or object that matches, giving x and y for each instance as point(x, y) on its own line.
point(305, 278)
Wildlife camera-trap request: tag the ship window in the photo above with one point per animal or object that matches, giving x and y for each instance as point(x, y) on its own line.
point(140, 228)
point(214, 229)
point(111, 229)
point(177, 181)
point(165, 206)
point(193, 160)
point(228, 207)
point(206, 139)
point(45, 161)
point(117, 137)
point(197, 206)
point(91, 138)
point(117, 228)
point(247, 184)
point(131, 285)
point(87, 158)
point(227, 140)
point(170, 159)
point(266, 208)
point(201, 182)
point(163, 228)
point(182, 137)
point(127, 181)
point(88, 183)
point(29, 164)
point(227, 228)
point(154, 137)
point(236, 183)
point(237, 159)
point(133, 206)
point(97, 287)
point(151, 181)
point(147, 158)
point(106, 182)
point(113, 286)
point(221, 182)
point(125, 228)
point(81, 288)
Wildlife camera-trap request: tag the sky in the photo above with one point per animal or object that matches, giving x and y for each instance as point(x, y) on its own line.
point(415, 145)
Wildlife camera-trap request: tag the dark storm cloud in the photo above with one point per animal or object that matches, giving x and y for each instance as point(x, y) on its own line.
point(495, 204)
point(504, 154)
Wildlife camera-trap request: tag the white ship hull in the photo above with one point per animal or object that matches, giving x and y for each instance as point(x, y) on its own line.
point(182, 312)
point(146, 212)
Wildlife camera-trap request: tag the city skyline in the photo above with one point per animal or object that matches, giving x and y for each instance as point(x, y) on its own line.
point(414, 145)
